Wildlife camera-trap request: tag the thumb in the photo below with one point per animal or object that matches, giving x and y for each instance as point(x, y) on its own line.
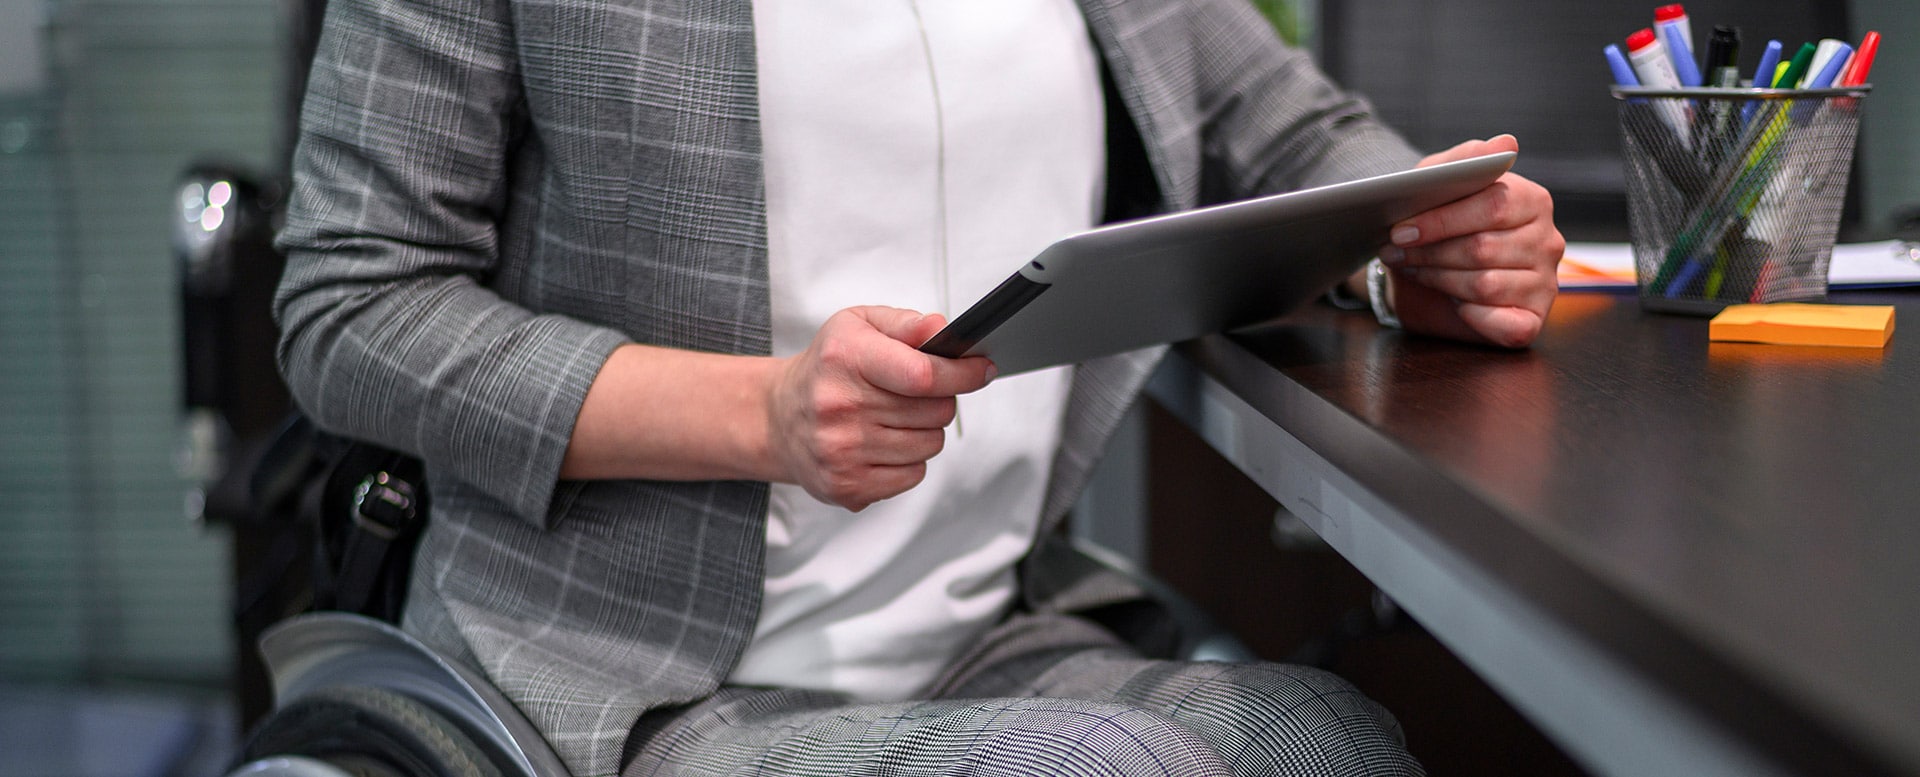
point(907, 326)
point(923, 330)
point(1473, 148)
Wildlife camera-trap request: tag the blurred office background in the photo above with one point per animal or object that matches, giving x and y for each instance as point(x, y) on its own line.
point(115, 654)
point(116, 646)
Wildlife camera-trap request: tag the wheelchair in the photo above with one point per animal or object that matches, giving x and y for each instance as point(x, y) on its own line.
point(357, 697)
point(324, 530)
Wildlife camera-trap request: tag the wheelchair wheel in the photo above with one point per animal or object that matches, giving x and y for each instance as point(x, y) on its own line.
point(367, 732)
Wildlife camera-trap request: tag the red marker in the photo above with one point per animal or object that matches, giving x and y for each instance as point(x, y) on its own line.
point(1862, 62)
point(1677, 14)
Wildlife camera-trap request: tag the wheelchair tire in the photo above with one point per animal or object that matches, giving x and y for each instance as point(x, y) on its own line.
point(370, 732)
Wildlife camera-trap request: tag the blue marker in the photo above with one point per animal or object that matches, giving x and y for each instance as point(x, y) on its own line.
point(1825, 78)
point(1769, 61)
point(1822, 54)
point(1686, 277)
point(1680, 50)
point(1835, 63)
point(1622, 72)
point(1762, 77)
point(1780, 188)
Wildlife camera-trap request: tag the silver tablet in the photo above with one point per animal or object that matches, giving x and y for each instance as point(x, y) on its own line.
point(1183, 275)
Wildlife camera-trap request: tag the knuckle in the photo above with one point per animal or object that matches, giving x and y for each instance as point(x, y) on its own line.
point(830, 405)
point(1482, 245)
point(919, 376)
point(1513, 327)
point(837, 445)
point(1523, 335)
point(826, 407)
point(1485, 286)
point(835, 351)
point(843, 488)
point(915, 474)
point(1498, 203)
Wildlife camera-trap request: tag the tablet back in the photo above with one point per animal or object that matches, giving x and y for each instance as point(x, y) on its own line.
point(1183, 275)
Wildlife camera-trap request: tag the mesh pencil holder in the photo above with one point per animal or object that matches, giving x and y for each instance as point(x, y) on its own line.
point(1734, 195)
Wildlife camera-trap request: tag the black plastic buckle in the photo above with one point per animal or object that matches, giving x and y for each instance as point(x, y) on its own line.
point(384, 506)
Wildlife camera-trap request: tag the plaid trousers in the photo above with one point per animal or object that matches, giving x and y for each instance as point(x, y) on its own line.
point(1041, 694)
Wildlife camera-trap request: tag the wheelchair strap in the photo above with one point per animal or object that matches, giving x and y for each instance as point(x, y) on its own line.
point(385, 513)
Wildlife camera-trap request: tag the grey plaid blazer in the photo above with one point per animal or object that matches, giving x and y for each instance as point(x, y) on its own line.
point(493, 194)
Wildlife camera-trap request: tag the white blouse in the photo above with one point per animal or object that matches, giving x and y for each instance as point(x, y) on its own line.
point(916, 153)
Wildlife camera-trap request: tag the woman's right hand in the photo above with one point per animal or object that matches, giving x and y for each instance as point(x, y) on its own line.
point(855, 417)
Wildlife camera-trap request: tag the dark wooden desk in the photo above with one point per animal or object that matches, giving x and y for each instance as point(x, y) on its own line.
point(1676, 556)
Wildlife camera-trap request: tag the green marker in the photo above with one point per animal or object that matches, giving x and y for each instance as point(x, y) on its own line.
point(1796, 69)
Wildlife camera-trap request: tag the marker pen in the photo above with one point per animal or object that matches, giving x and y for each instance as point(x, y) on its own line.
point(1823, 54)
point(1680, 50)
point(1762, 78)
point(1862, 61)
point(1769, 58)
point(1830, 70)
point(1675, 14)
point(1780, 189)
point(1796, 69)
point(1676, 162)
point(1650, 62)
point(1617, 62)
point(1723, 50)
point(1716, 134)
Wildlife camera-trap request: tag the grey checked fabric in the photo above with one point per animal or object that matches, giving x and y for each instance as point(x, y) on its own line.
point(1045, 694)
point(490, 195)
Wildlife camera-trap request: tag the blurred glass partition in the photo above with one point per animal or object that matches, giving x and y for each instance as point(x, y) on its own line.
point(102, 574)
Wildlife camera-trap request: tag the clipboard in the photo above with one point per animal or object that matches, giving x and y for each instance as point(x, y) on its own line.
point(1183, 275)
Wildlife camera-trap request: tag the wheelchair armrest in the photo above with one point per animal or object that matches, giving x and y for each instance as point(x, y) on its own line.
point(322, 650)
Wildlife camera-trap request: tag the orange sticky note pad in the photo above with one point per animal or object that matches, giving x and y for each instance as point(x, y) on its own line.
point(1799, 323)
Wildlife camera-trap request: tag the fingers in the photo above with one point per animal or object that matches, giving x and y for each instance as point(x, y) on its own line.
point(1509, 204)
point(879, 483)
point(1431, 311)
point(1482, 268)
point(1508, 327)
point(882, 446)
point(1500, 206)
point(907, 326)
point(1522, 288)
point(1473, 148)
point(840, 403)
point(858, 414)
point(894, 364)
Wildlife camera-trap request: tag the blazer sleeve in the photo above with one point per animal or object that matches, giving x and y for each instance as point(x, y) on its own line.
point(1271, 120)
point(400, 183)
